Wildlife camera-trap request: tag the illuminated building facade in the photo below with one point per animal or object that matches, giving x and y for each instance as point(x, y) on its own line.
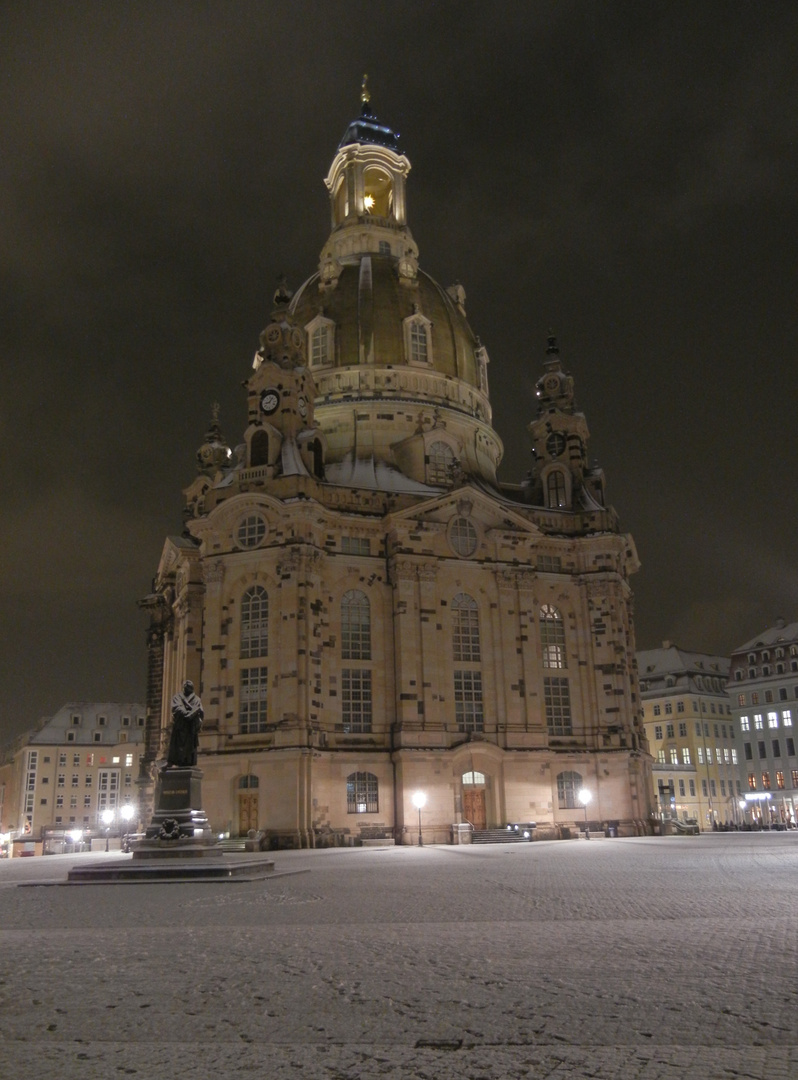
point(366, 610)
point(75, 765)
point(763, 688)
point(690, 733)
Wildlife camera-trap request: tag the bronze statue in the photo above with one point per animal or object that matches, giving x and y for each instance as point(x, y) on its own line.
point(187, 714)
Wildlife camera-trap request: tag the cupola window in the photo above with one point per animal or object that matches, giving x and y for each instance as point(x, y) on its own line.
point(377, 193)
point(321, 340)
point(418, 344)
point(251, 531)
point(463, 537)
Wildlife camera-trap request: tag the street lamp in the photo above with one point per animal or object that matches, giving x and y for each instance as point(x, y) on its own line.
point(107, 817)
point(419, 800)
point(584, 797)
point(126, 813)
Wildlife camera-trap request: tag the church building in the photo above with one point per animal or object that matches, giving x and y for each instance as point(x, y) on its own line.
point(366, 610)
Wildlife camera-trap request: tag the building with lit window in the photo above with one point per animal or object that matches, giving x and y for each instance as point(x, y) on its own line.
point(763, 688)
point(366, 610)
point(75, 765)
point(690, 733)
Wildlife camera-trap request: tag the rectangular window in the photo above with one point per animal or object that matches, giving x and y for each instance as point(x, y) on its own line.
point(766, 781)
point(552, 564)
point(61, 779)
point(712, 788)
point(107, 790)
point(660, 756)
point(87, 802)
point(658, 731)
point(697, 724)
point(680, 706)
point(657, 710)
point(75, 779)
point(780, 780)
point(468, 700)
point(709, 755)
point(87, 780)
point(758, 721)
point(790, 748)
point(768, 697)
point(356, 700)
point(668, 708)
point(773, 719)
point(73, 802)
point(557, 696)
point(59, 800)
point(741, 700)
point(761, 748)
point(681, 789)
point(723, 788)
point(749, 751)
point(682, 730)
point(62, 760)
point(674, 756)
point(733, 756)
point(706, 728)
point(128, 760)
point(786, 718)
point(252, 715)
point(755, 698)
point(669, 730)
point(704, 788)
point(744, 725)
point(794, 775)
point(685, 756)
point(775, 747)
point(700, 754)
point(691, 784)
point(752, 781)
point(355, 545)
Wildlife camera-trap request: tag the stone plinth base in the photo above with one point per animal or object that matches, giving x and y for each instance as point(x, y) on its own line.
point(179, 819)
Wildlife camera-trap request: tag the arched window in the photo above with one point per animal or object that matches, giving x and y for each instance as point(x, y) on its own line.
point(463, 537)
point(321, 341)
point(552, 637)
point(473, 779)
point(248, 782)
point(355, 626)
point(440, 462)
point(362, 793)
point(569, 785)
point(259, 449)
point(555, 490)
point(254, 623)
point(465, 629)
point(377, 192)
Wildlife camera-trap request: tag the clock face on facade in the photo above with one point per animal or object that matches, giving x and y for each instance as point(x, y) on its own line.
point(269, 400)
point(552, 384)
point(273, 334)
point(555, 444)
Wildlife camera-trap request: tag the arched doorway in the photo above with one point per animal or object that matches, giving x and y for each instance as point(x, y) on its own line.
point(247, 804)
point(475, 799)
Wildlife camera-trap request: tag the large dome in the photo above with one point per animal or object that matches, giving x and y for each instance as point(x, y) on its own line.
point(369, 317)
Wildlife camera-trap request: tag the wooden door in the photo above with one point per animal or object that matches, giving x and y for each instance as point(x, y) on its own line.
point(247, 812)
point(474, 807)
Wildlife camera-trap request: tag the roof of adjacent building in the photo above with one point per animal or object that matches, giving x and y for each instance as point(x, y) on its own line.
point(672, 668)
point(780, 632)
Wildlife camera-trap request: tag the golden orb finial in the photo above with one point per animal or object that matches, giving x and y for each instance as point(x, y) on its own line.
point(365, 96)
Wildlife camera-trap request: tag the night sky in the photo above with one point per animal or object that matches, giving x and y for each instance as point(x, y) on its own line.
point(624, 173)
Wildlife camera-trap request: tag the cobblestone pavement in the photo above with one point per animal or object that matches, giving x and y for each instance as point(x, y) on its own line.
point(635, 959)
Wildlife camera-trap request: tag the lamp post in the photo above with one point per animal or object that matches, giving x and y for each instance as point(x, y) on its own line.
point(107, 820)
point(419, 800)
point(126, 813)
point(584, 797)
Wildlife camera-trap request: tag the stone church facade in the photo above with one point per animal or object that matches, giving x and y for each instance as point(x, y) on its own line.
point(365, 609)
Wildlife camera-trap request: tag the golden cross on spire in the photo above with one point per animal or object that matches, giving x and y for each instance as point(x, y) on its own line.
point(365, 96)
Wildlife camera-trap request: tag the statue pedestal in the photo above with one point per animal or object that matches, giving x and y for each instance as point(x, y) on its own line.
point(179, 825)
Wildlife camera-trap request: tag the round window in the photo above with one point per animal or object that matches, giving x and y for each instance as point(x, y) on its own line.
point(251, 531)
point(463, 537)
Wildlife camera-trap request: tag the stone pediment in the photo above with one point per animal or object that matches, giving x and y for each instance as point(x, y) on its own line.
point(491, 514)
point(174, 548)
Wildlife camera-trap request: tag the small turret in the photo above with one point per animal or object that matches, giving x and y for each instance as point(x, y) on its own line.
point(214, 454)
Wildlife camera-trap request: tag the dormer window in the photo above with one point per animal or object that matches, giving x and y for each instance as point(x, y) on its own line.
point(321, 341)
point(440, 464)
point(418, 340)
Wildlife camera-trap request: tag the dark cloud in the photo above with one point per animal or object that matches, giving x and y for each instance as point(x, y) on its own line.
point(623, 172)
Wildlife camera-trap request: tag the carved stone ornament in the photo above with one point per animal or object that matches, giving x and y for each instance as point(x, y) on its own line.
point(213, 572)
point(427, 572)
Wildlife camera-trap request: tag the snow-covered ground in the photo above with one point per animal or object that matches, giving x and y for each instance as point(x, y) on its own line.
point(618, 959)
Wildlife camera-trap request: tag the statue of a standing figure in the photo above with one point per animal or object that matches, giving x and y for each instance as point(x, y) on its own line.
point(187, 717)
